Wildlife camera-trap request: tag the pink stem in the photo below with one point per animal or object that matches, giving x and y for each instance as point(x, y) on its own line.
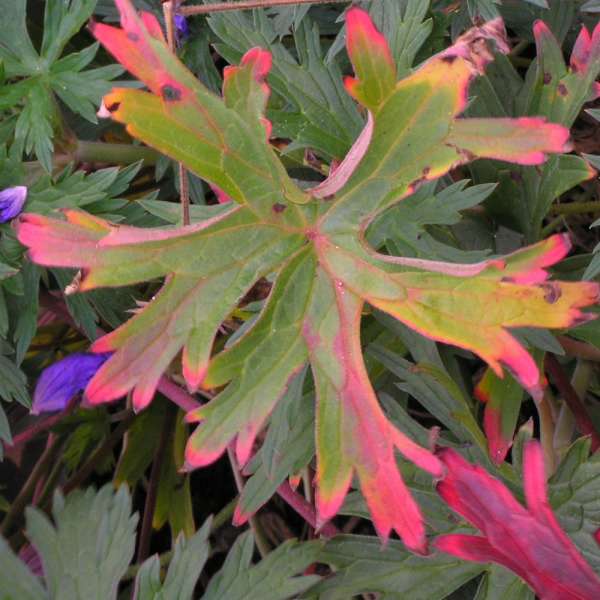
point(304, 509)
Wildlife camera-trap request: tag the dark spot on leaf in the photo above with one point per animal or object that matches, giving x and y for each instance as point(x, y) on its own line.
point(113, 107)
point(552, 292)
point(278, 207)
point(170, 93)
point(562, 89)
point(516, 176)
point(134, 37)
point(449, 59)
point(582, 319)
point(547, 78)
point(507, 279)
point(426, 171)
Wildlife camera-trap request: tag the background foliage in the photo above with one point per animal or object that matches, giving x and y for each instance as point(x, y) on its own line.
point(92, 543)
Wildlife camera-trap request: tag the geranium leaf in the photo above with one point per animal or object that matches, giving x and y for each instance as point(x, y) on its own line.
point(315, 252)
point(502, 398)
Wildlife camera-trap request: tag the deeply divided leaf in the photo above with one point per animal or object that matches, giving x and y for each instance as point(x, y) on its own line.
point(315, 251)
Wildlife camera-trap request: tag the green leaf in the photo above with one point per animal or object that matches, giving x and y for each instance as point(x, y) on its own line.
point(17, 578)
point(13, 383)
point(27, 321)
point(314, 254)
point(174, 498)
point(137, 453)
point(498, 583)
point(271, 579)
point(361, 566)
point(288, 447)
point(87, 550)
point(40, 122)
point(189, 557)
point(16, 49)
point(62, 20)
point(575, 497)
point(316, 112)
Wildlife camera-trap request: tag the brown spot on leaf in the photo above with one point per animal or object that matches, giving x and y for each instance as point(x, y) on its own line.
point(134, 37)
point(547, 78)
point(113, 107)
point(507, 279)
point(170, 93)
point(562, 89)
point(552, 292)
point(278, 207)
point(449, 58)
point(426, 171)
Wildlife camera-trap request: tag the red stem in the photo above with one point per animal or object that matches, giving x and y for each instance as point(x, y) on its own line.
point(305, 510)
point(582, 418)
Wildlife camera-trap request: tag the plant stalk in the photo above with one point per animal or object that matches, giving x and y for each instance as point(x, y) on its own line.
point(187, 11)
point(576, 208)
point(152, 492)
point(42, 464)
point(570, 396)
point(114, 154)
point(257, 530)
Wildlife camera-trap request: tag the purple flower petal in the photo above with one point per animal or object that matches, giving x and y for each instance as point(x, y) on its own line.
point(64, 379)
point(12, 200)
point(181, 27)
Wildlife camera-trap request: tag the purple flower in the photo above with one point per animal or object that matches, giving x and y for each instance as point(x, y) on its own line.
point(181, 27)
point(12, 200)
point(64, 379)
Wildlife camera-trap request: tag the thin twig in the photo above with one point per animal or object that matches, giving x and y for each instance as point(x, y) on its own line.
point(255, 525)
point(98, 455)
point(19, 503)
point(582, 418)
point(579, 349)
point(305, 510)
point(184, 188)
point(187, 11)
point(152, 492)
point(177, 395)
point(576, 208)
point(41, 426)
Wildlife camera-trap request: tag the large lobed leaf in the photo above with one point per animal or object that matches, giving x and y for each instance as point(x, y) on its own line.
point(324, 269)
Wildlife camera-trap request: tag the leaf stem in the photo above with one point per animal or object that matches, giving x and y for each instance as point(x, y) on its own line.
point(544, 408)
point(305, 510)
point(184, 188)
point(576, 208)
point(152, 492)
point(253, 521)
point(579, 349)
point(165, 558)
point(582, 418)
point(98, 455)
point(40, 426)
point(187, 11)
point(19, 503)
point(114, 154)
